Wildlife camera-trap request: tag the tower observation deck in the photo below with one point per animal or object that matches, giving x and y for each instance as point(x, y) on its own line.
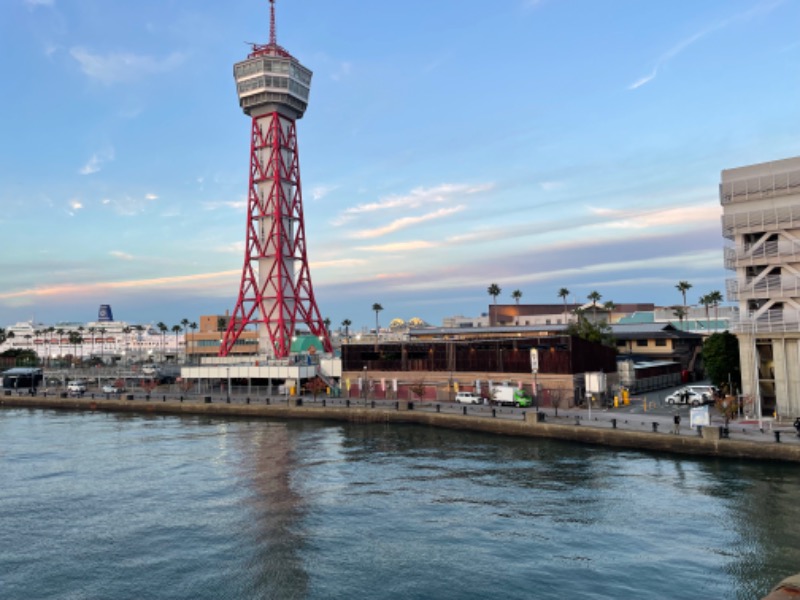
point(275, 293)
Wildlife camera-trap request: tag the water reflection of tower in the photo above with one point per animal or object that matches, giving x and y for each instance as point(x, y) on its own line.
point(276, 510)
point(275, 294)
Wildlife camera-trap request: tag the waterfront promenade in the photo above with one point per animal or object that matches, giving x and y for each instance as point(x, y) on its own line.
point(611, 427)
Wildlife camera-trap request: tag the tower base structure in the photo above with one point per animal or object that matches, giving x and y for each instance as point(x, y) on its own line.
point(276, 294)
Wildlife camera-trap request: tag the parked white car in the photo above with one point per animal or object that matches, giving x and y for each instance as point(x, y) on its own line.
point(76, 388)
point(112, 389)
point(686, 396)
point(468, 398)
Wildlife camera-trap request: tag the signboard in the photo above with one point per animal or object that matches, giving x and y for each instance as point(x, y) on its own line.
point(534, 360)
point(699, 417)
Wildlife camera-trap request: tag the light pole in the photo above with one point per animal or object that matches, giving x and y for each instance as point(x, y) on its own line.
point(365, 385)
point(228, 388)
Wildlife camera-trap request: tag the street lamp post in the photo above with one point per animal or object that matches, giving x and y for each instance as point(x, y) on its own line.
point(365, 384)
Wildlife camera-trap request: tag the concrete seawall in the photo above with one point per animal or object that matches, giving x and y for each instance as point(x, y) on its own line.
point(587, 434)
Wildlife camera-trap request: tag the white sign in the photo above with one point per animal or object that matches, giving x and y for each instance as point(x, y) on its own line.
point(699, 417)
point(534, 360)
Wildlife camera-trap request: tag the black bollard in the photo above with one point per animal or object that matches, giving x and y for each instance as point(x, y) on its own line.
point(438, 408)
point(777, 437)
point(613, 423)
point(347, 404)
point(494, 412)
point(655, 426)
point(464, 408)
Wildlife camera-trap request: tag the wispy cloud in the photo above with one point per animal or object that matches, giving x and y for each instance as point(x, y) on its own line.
point(96, 162)
point(35, 3)
point(406, 222)
point(123, 67)
point(416, 198)
point(226, 204)
point(121, 255)
point(74, 206)
point(625, 219)
point(320, 191)
point(758, 9)
point(184, 281)
point(399, 246)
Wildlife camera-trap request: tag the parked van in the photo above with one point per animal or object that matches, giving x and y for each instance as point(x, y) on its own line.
point(708, 392)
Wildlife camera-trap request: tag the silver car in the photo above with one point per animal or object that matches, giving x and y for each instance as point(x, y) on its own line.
point(686, 396)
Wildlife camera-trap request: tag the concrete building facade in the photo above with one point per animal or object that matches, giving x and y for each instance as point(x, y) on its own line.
point(761, 217)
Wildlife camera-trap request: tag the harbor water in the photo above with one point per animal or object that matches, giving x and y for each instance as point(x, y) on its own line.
point(120, 506)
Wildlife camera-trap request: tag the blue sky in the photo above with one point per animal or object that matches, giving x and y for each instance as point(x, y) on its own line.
point(448, 145)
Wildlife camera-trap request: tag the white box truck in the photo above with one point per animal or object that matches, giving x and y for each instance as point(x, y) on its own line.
point(506, 395)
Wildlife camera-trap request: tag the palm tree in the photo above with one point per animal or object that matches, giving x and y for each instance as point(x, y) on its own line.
point(494, 291)
point(162, 327)
point(193, 327)
point(610, 306)
point(679, 312)
point(715, 297)
point(706, 302)
point(3, 335)
point(683, 287)
point(102, 332)
point(81, 329)
point(594, 296)
point(176, 329)
point(377, 308)
point(516, 295)
point(563, 293)
point(91, 332)
point(185, 323)
point(60, 333)
point(346, 324)
point(127, 333)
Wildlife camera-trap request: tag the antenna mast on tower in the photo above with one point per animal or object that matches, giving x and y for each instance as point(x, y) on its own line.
point(273, 38)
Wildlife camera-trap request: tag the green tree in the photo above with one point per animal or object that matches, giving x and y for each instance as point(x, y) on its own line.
point(494, 291)
point(593, 332)
point(516, 295)
point(721, 360)
point(3, 335)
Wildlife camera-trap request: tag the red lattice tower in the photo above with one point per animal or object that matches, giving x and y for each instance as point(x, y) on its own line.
point(275, 293)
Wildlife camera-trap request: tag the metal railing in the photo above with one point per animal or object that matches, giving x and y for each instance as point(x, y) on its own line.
point(771, 219)
point(770, 286)
point(758, 188)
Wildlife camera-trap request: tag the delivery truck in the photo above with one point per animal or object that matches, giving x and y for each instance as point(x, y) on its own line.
point(506, 395)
